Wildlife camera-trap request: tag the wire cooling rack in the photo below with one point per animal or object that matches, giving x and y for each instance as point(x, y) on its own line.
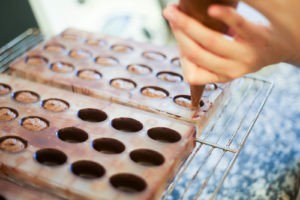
point(217, 147)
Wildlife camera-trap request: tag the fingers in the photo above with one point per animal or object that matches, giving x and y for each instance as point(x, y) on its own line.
point(207, 38)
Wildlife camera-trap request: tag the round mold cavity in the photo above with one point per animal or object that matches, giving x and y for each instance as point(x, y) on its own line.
point(163, 134)
point(154, 92)
point(108, 146)
point(26, 96)
point(169, 76)
point(92, 115)
point(128, 183)
point(8, 114)
point(89, 74)
point(107, 61)
point(139, 69)
point(62, 67)
point(176, 62)
point(55, 105)
point(80, 54)
point(123, 83)
point(185, 101)
point(87, 169)
point(54, 48)
point(126, 124)
point(50, 157)
point(70, 36)
point(13, 144)
point(147, 157)
point(72, 135)
point(154, 55)
point(96, 42)
point(36, 60)
point(4, 89)
point(34, 123)
point(121, 48)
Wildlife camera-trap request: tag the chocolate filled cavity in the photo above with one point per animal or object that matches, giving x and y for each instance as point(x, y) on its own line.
point(147, 157)
point(79, 54)
point(128, 183)
point(169, 76)
point(36, 60)
point(54, 48)
point(122, 83)
point(108, 146)
point(55, 105)
point(107, 61)
point(89, 74)
point(4, 89)
point(72, 135)
point(139, 69)
point(176, 62)
point(185, 101)
point(62, 67)
point(33, 123)
point(50, 157)
point(153, 55)
point(25, 96)
point(127, 124)
point(87, 169)
point(154, 92)
point(7, 114)
point(163, 134)
point(12, 144)
point(121, 48)
point(96, 42)
point(70, 36)
point(92, 115)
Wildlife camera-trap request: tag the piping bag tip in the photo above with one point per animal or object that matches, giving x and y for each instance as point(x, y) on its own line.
point(196, 94)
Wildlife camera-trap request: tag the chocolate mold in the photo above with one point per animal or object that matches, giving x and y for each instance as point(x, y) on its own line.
point(105, 156)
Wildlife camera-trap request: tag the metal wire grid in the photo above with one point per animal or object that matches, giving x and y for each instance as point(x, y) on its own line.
point(217, 147)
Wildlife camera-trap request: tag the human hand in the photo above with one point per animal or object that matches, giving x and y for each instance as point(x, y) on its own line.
point(208, 56)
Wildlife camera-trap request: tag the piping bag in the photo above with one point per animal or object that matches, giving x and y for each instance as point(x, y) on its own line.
point(198, 10)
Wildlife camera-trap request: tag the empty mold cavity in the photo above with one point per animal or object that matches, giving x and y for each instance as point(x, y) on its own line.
point(4, 89)
point(26, 96)
point(164, 134)
point(96, 42)
point(7, 114)
point(176, 62)
point(12, 144)
point(106, 61)
point(128, 183)
point(54, 47)
point(139, 69)
point(153, 55)
point(154, 92)
point(147, 157)
point(62, 67)
point(123, 83)
point(92, 115)
point(89, 74)
point(87, 169)
point(72, 135)
point(127, 124)
point(50, 157)
point(185, 101)
point(34, 123)
point(169, 76)
point(121, 48)
point(55, 105)
point(80, 53)
point(108, 146)
point(36, 60)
